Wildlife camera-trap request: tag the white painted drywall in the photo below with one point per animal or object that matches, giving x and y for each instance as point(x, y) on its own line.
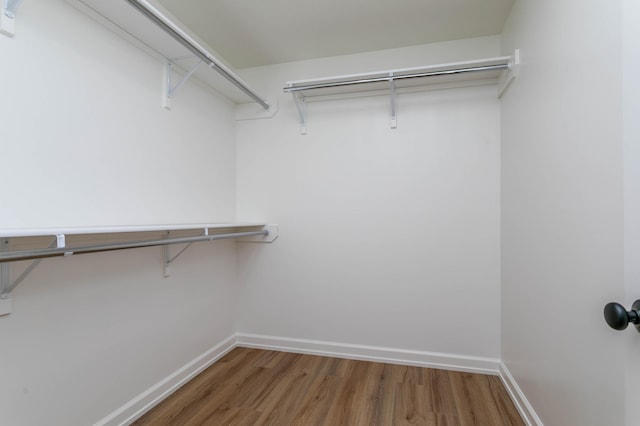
point(562, 210)
point(387, 237)
point(88, 141)
point(85, 142)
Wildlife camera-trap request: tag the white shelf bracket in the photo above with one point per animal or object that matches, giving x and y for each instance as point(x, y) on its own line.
point(5, 281)
point(168, 259)
point(510, 74)
point(6, 286)
point(8, 17)
point(392, 88)
point(5, 272)
point(168, 90)
point(301, 106)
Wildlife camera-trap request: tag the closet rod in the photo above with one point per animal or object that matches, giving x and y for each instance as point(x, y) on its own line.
point(13, 256)
point(166, 25)
point(397, 77)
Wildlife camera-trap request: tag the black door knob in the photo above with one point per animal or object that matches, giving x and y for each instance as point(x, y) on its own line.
point(619, 318)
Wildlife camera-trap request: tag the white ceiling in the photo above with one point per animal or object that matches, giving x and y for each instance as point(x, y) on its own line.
point(249, 33)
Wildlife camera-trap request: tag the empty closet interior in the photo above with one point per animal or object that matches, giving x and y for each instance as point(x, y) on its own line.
point(168, 198)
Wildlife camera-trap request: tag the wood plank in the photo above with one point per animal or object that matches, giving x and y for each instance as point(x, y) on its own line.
point(319, 400)
point(413, 406)
point(286, 398)
point(441, 392)
point(340, 411)
point(387, 394)
point(474, 400)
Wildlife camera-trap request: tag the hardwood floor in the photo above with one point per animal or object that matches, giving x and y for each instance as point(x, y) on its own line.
point(256, 387)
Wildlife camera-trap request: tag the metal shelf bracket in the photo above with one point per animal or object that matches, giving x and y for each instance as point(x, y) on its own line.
point(6, 286)
point(301, 106)
point(167, 252)
point(5, 272)
point(168, 90)
point(511, 73)
point(5, 281)
point(392, 87)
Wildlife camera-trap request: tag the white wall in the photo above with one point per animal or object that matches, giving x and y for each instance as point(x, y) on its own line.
point(562, 210)
point(387, 237)
point(85, 142)
point(89, 142)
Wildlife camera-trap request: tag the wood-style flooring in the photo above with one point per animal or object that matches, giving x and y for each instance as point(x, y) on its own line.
point(257, 387)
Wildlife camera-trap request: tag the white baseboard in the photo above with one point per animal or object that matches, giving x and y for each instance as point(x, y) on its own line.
point(519, 399)
point(144, 402)
point(371, 353)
